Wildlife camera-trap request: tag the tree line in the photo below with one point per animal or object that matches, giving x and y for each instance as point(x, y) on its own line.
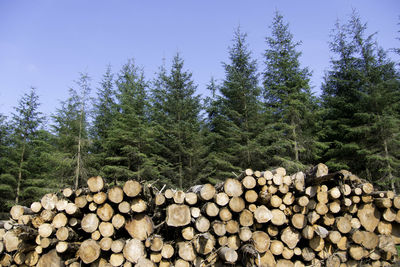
point(162, 132)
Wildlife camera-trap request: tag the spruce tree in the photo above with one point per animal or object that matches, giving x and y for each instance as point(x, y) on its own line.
point(128, 138)
point(7, 180)
point(104, 111)
point(288, 100)
point(361, 96)
point(25, 125)
point(71, 129)
point(175, 113)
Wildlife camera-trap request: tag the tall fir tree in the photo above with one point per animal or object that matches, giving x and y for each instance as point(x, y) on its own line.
point(289, 104)
point(7, 180)
point(104, 110)
point(175, 112)
point(26, 121)
point(236, 120)
point(128, 139)
point(71, 129)
point(361, 95)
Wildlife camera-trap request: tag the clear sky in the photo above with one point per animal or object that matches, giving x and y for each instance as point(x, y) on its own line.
point(46, 43)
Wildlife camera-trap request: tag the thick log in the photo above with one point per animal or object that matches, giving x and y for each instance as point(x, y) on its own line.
point(95, 184)
point(191, 198)
point(51, 258)
point(134, 250)
point(118, 221)
point(167, 251)
point(251, 196)
point(138, 205)
point(202, 224)
point(105, 212)
point(115, 194)
point(262, 214)
point(117, 245)
point(249, 182)
point(236, 204)
point(46, 230)
point(245, 234)
point(261, 241)
point(90, 223)
point(228, 255)
point(233, 187)
point(132, 188)
point(290, 237)
point(140, 226)
point(81, 201)
point(222, 199)
point(188, 233)
point(100, 197)
point(186, 251)
point(179, 197)
point(36, 207)
point(66, 234)
point(117, 259)
point(369, 216)
point(89, 251)
point(299, 221)
point(178, 215)
point(246, 218)
point(49, 201)
point(105, 243)
point(106, 229)
point(211, 209)
point(232, 226)
point(219, 228)
point(278, 217)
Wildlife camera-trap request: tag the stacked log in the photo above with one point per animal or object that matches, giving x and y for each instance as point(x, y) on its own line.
point(269, 218)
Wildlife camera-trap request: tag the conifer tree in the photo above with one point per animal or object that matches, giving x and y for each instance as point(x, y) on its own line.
point(25, 124)
point(361, 95)
point(7, 180)
point(288, 100)
point(128, 139)
point(71, 128)
point(239, 110)
point(175, 112)
point(103, 114)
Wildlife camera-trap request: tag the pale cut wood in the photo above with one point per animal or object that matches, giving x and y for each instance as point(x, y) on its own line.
point(169, 193)
point(159, 199)
point(60, 205)
point(95, 184)
point(36, 207)
point(236, 204)
point(117, 259)
point(249, 182)
point(228, 255)
point(11, 241)
point(118, 221)
point(298, 181)
point(117, 245)
point(46, 230)
point(90, 223)
point(51, 258)
point(138, 205)
point(155, 257)
point(287, 253)
point(222, 199)
point(290, 237)
point(95, 235)
point(211, 209)
point(167, 251)
point(202, 224)
point(186, 251)
point(389, 215)
point(262, 214)
point(49, 201)
point(233, 242)
point(105, 212)
point(308, 254)
point(233, 187)
point(105, 243)
point(59, 220)
point(124, 207)
point(140, 226)
point(188, 233)
point(245, 234)
point(299, 221)
point(276, 247)
point(308, 232)
point(191, 198)
point(278, 217)
point(178, 215)
point(31, 258)
point(89, 251)
point(219, 228)
point(251, 196)
point(134, 250)
point(66, 234)
point(369, 216)
point(232, 226)
point(179, 197)
point(288, 199)
point(265, 260)
point(106, 229)
point(207, 192)
point(181, 263)
point(261, 241)
point(81, 201)
point(195, 212)
point(115, 194)
point(100, 197)
point(272, 230)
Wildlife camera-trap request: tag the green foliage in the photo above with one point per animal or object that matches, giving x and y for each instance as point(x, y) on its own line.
point(175, 113)
point(128, 139)
point(290, 108)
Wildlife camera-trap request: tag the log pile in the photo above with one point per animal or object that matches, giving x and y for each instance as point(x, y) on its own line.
point(267, 218)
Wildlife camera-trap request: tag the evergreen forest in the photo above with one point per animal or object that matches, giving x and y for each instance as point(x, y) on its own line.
point(263, 114)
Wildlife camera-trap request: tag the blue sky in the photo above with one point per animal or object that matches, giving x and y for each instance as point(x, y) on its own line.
point(46, 43)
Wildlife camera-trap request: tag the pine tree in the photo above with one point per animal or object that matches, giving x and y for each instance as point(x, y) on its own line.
point(361, 99)
point(239, 111)
point(175, 112)
point(71, 128)
point(288, 100)
point(25, 124)
point(128, 139)
point(7, 180)
point(103, 114)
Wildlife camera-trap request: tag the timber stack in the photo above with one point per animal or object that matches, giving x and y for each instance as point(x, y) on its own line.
point(269, 218)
